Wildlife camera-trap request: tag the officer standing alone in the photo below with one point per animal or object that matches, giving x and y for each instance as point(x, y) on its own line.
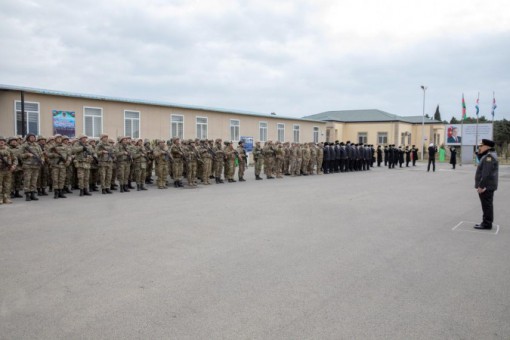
point(486, 181)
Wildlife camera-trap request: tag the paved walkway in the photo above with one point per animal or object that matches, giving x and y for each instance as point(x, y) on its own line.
point(380, 254)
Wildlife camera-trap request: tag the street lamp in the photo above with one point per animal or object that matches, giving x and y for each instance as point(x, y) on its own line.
point(424, 88)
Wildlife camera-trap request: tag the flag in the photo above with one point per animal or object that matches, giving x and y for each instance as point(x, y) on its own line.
point(477, 106)
point(463, 108)
point(494, 106)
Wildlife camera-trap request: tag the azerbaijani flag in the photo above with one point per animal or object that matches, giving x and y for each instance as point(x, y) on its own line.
point(494, 106)
point(477, 106)
point(463, 108)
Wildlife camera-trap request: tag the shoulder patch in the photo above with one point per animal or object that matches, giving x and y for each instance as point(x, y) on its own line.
point(489, 159)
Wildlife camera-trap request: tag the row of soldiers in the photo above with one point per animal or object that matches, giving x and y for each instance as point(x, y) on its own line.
point(59, 163)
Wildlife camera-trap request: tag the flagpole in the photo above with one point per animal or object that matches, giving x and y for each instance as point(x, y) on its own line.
point(462, 127)
point(477, 114)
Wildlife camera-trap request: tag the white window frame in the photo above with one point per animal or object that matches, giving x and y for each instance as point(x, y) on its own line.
point(38, 112)
point(382, 135)
point(85, 116)
point(201, 124)
point(315, 134)
point(235, 127)
point(263, 131)
point(365, 137)
point(132, 119)
point(280, 127)
point(296, 129)
point(177, 123)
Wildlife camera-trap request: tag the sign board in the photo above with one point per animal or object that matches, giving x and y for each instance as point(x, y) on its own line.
point(248, 143)
point(456, 134)
point(64, 123)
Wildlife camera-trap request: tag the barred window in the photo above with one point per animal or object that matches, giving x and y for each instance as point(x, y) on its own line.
point(132, 124)
point(177, 126)
point(93, 121)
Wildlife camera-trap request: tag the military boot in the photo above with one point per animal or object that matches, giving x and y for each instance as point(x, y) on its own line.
point(33, 197)
point(61, 193)
point(27, 198)
point(242, 179)
point(81, 192)
point(43, 192)
point(126, 188)
point(138, 187)
point(108, 191)
point(67, 190)
point(17, 194)
point(143, 187)
point(103, 191)
point(39, 191)
point(86, 192)
point(130, 186)
point(121, 188)
point(55, 194)
point(258, 178)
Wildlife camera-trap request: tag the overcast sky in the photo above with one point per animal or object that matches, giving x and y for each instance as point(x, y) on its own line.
point(294, 58)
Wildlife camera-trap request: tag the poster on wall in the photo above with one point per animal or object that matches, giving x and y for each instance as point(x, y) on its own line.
point(248, 143)
point(469, 134)
point(64, 123)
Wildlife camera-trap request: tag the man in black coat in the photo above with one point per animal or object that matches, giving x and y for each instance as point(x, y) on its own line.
point(486, 181)
point(414, 152)
point(327, 158)
point(379, 155)
point(432, 157)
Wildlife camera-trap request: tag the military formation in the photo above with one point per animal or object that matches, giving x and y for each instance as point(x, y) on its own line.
point(36, 165)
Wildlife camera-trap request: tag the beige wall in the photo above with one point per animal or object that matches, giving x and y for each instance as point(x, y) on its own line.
point(349, 132)
point(155, 121)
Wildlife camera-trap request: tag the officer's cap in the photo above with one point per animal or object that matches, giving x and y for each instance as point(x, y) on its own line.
point(488, 142)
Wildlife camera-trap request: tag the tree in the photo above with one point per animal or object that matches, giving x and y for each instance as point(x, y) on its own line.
point(454, 121)
point(437, 115)
point(501, 131)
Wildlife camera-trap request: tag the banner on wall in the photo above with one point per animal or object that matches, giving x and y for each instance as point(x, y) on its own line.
point(64, 123)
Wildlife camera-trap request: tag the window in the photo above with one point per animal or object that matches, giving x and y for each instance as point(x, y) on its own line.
point(234, 129)
point(408, 138)
point(177, 126)
point(132, 124)
point(328, 134)
point(382, 138)
point(281, 132)
point(362, 137)
point(93, 121)
point(31, 118)
point(296, 133)
point(202, 127)
point(316, 134)
point(263, 131)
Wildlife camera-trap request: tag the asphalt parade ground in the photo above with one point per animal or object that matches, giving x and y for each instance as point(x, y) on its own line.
point(380, 254)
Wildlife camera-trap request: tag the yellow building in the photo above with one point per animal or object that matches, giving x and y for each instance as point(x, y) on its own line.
point(380, 128)
point(48, 112)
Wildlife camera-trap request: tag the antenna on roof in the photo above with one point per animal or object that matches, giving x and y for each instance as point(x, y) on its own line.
point(273, 114)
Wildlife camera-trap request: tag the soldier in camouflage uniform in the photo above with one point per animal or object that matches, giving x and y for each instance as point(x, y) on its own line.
point(83, 156)
point(106, 156)
point(32, 157)
point(320, 158)
point(177, 153)
point(124, 158)
point(140, 164)
point(243, 159)
point(44, 171)
point(193, 158)
point(206, 156)
point(313, 158)
point(161, 157)
point(58, 158)
point(269, 159)
point(8, 163)
point(113, 185)
point(258, 159)
point(94, 168)
point(17, 175)
point(230, 162)
point(69, 167)
point(306, 156)
point(219, 160)
point(280, 158)
point(286, 160)
point(150, 161)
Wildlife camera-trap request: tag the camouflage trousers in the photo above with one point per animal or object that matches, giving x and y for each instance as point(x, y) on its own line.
point(30, 175)
point(268, 166)
point(242, 168)
point(258, 166)
point(311, 165)
point(177, 169)
point(58, 176)
point(286, 165)
point(304, 166)
point(319, 165)
point(161, 173)
point(140, 173)
point(123, 170)
point(191, 172)
point(83, 176)
point(44, 176)
point(279, 167)
point(206, 170)
point(70, 180)
point(218, 168)
point(105, 175)
point(230, 168)
point(5, 183)
point(17, 180)
point(295, 167)
point(150, 168)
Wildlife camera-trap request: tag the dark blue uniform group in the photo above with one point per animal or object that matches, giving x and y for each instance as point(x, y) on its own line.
point(345, 157)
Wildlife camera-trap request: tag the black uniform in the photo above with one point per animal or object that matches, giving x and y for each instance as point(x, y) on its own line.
point(415, 155)
point(432, 157)
point(487, 177)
